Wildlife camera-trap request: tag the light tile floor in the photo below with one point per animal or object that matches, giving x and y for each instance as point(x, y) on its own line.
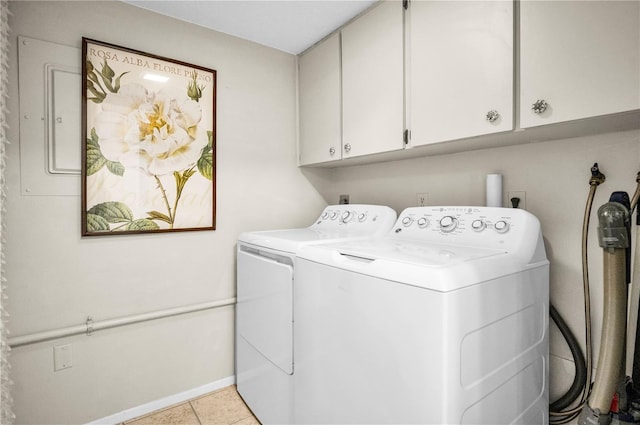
point(222, 407)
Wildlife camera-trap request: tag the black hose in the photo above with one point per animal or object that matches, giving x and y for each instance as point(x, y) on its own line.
point(580, 377)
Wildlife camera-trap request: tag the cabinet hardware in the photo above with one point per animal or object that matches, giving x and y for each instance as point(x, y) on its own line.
point(539, 106)
point(332, 151)
point(493, 115)
point(347, 147)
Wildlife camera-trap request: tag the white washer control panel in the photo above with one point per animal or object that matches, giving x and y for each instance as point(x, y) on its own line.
point(480, 226)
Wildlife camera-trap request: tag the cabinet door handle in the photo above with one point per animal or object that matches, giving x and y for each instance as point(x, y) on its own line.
point(493, 115)
point(332, 151)
point(347, 147)
point(539, 106)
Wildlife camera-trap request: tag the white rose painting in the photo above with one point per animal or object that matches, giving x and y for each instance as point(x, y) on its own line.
point(149, 153)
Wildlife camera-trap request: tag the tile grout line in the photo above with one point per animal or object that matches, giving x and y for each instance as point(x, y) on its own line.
point(250, 415)
point(193, 409)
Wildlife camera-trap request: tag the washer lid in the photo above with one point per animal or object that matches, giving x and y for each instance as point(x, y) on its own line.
point(414, 252)
point(438, 267)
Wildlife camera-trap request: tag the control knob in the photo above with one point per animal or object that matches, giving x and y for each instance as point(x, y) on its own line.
point(448, 223)
point(334, 215)
point(423, 222)
point(478, 225)
point(347, 216)
point(501, 226)
point(407, 221)
point(362, 217)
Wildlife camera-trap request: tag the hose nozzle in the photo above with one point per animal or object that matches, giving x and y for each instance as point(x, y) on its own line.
point(614, 221)
point(597, 178)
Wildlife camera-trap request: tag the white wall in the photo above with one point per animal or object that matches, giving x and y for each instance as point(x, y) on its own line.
point(57, 279)
point(555, 177)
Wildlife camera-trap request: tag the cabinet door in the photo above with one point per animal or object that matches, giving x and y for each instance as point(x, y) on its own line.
point(460, 61)
point(581, 57)
point(319, 103)
point(373, 81)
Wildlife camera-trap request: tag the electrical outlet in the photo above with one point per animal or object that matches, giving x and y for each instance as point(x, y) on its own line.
point(422, 199)
point(62, 357)
point(344, 199)
point(517, 194)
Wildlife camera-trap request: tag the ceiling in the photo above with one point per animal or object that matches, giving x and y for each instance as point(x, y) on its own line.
point(288, 25)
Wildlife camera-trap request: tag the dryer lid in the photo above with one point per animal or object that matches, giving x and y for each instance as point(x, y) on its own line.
point(337, 222)
point(290, 240)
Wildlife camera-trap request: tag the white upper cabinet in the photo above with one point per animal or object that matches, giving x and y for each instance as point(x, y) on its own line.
point(581, 58)
point(445, 71)
point(460, 69)
point(373, 81)
point(320, 103)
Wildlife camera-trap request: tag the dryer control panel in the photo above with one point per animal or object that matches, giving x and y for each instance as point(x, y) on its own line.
point(500, 228)
point(336, 222)
point(361, 219)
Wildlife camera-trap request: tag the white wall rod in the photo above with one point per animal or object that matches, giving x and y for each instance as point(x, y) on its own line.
point(90, 326)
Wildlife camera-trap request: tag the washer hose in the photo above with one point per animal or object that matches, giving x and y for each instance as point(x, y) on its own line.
point(580, 377)
point(559, 416)
point(597, 178)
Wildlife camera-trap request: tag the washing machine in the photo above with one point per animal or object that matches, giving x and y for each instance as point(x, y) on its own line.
point(266, 281)
point(442, 321)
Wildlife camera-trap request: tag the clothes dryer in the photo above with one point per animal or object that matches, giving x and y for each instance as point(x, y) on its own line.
point(442, 321)
point(264, 311)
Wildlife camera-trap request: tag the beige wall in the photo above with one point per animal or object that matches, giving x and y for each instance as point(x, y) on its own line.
point(56, 278)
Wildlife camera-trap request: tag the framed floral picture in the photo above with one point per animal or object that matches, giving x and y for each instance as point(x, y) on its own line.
point(149, 142)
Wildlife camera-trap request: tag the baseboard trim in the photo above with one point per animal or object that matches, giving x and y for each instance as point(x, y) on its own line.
point(164, 402)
